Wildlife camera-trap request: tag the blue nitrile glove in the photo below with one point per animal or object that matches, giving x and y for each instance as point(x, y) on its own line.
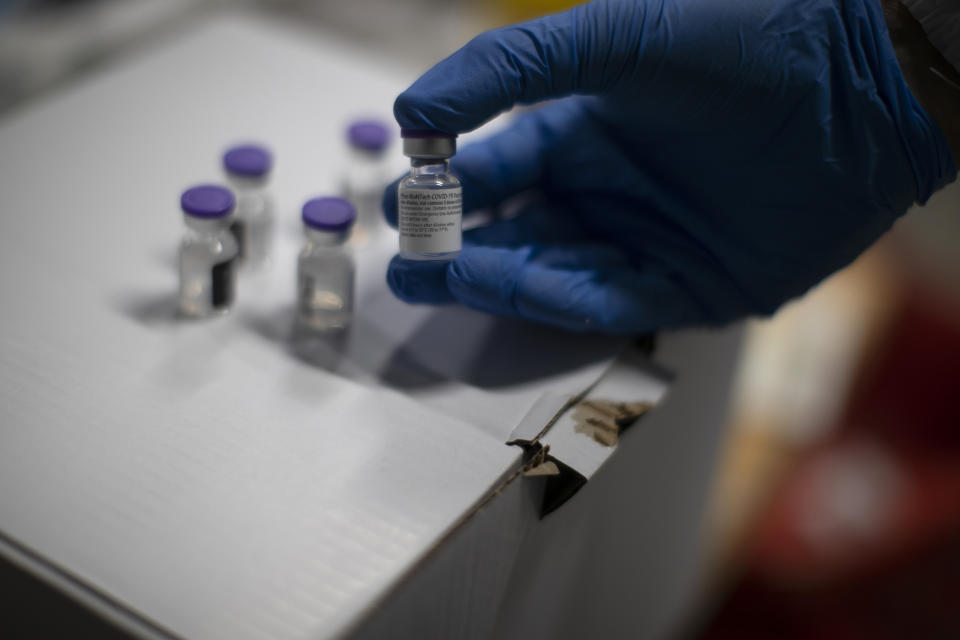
point(717, 159)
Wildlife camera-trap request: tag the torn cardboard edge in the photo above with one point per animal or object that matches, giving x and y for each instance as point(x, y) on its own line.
point(566, 439)
point(632, 378)
point(537, 460)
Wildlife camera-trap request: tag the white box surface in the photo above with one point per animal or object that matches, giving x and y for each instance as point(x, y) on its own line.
point(210, 479)
point(201, 473)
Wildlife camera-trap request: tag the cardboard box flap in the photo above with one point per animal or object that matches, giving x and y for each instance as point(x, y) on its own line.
point(567, 438)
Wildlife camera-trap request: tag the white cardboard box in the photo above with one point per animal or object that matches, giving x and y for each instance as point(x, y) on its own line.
point(216, 480)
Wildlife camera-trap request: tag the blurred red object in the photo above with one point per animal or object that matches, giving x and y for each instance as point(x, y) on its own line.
point(862, 539)
point(909, 390)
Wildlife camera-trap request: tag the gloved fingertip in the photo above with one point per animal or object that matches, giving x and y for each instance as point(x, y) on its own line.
point(408, 109)
point(419, 282)
point(525, 63)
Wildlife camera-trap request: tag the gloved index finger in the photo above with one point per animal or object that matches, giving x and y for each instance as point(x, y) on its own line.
point(524, 63)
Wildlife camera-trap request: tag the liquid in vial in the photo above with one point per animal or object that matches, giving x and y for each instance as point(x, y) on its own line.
point(248, 170)
point(208, 252)
point(325, 269)
point(429, 199)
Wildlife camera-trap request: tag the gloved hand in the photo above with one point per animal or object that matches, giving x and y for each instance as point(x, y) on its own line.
point(708, 160)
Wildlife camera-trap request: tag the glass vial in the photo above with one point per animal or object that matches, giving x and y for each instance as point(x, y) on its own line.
point(366, 176)
point(208, 252)
point(248, 171)
point(429, 199)
point(325, 269)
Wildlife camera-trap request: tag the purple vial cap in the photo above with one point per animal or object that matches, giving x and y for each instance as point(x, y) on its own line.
point(328, 214)
point(369, 135)
point(207, 201)
point(424, 133)
point(248, 160)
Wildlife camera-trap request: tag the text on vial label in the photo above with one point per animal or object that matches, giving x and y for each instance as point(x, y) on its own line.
point(429, 220)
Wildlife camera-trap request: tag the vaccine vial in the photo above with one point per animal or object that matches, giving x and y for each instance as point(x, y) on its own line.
point(429, 199)
point(325, 269)
point(208, 252)
point(248, 172)
point(366, 176)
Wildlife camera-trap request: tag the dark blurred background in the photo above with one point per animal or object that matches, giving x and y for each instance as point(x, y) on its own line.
point(836, 508)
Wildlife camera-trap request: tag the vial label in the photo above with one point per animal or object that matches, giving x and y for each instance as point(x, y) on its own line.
point(239, 231)
point(221, 285)
point(429, 220)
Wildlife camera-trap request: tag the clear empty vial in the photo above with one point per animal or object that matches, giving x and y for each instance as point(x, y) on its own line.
point(248, 171)
point(429, 199)
point(325, 269)
point(208, 252)
point(366, 176)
